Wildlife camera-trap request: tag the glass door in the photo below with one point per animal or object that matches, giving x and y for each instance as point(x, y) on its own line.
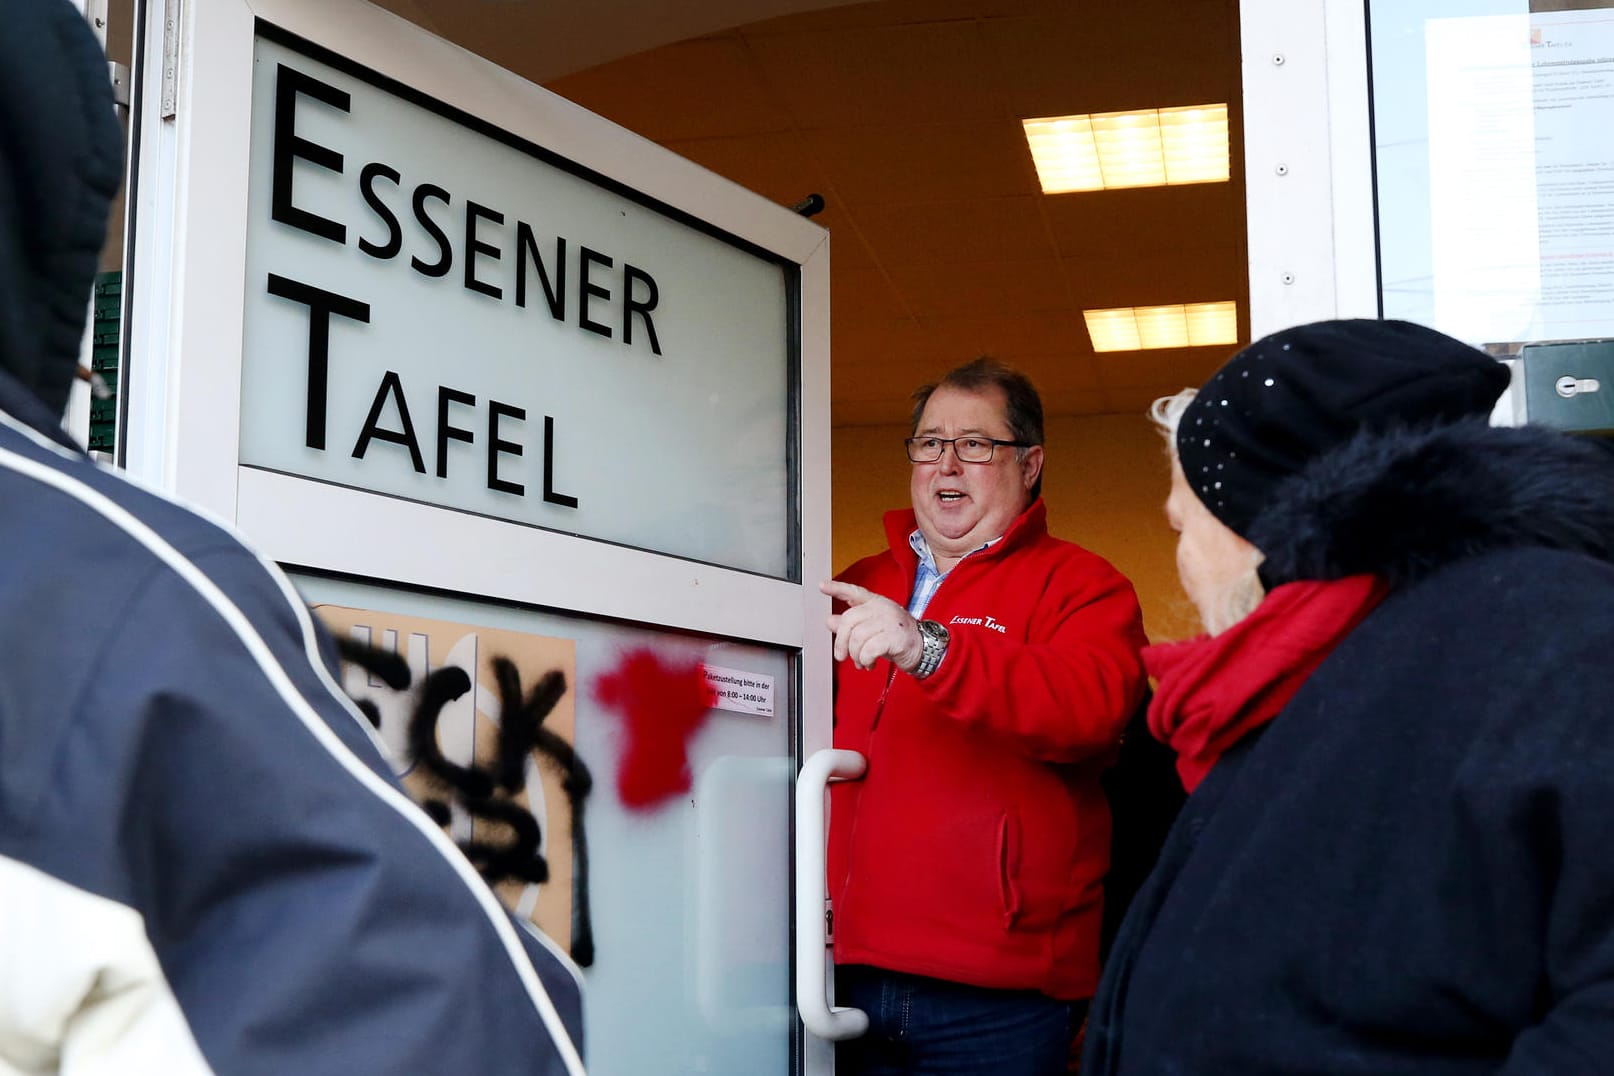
point(495, 379)
point(673, 895)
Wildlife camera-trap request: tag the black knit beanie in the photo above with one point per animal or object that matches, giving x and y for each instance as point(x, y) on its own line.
point(1291, 396)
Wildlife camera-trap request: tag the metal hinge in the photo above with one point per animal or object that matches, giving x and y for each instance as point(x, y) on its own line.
point(120, 82)
point(172, 16)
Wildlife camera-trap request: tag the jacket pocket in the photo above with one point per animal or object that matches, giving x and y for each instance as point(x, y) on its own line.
point(1008, 863)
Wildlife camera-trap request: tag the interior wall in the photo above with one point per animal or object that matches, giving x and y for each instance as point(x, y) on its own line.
point(1105, 483)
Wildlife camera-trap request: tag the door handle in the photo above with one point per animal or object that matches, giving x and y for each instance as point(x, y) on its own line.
point(812, 993)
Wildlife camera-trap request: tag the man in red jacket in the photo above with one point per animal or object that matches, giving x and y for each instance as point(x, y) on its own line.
point(985, 670)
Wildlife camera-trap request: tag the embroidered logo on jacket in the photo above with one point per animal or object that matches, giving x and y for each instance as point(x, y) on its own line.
point(979, 621)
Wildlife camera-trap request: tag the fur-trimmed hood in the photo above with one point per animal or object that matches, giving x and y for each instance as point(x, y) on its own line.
point(1404, 503)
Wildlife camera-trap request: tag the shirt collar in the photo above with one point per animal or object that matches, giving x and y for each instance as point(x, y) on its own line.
point(921, 549)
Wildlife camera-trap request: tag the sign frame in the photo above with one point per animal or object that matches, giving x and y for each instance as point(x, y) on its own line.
point(186, 323)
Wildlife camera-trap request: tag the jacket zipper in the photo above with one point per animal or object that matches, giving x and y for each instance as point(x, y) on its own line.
point(879, 706)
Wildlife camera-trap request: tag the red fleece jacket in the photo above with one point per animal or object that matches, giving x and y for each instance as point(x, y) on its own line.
point(975, 847)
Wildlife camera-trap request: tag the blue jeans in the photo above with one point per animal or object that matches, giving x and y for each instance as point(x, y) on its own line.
point(920, 1025)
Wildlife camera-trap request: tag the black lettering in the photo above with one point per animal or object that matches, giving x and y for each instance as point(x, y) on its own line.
point(288, 148)
point(445, 260)
point(474, 246)
point(527, 244)
point(549, 468)
point(446, 396)
point(632, 306)
point(393, 388)
point(321, 305)
point(587, 289)
point(394, 242)
point(496, 445)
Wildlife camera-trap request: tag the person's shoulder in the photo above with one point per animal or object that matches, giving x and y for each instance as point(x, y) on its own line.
point(1070, 556)
point(1522, 580)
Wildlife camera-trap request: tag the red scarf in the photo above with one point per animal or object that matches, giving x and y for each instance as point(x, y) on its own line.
point(1214, 690)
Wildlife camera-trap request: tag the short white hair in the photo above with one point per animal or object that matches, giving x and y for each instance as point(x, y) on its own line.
point(1167, 413)
point(1244, 592)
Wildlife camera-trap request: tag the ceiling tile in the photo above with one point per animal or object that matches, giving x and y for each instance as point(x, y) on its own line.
point(1098, 282)
point(981, 288)
point(1061, 375)
point(774, 165)
point(881, 343)
point(879, 76)
point(874, 166)
point(1115, 55)
point(695, 89)
point(982, 229)
point(900, 12)
point(1062, 403)
point(1125, 223)
point(1015, 336)
point(1136, 401)
point(1167, 369)
point(861, 296)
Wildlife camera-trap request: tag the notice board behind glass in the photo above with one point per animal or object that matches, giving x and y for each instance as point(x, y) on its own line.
point(1494, 168)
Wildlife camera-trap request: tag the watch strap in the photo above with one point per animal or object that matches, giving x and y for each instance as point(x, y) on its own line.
point(935, 639)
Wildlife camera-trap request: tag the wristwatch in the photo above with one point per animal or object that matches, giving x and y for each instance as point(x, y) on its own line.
point(935, 637)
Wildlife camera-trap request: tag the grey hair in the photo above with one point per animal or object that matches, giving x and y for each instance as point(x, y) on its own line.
point(1244, 592)
point(1167, 412)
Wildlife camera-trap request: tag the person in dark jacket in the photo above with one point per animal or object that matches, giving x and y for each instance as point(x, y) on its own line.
point(205, 862)
point(1398, 735)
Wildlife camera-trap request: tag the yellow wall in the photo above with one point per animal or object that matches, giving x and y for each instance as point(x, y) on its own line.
point(1105, 482)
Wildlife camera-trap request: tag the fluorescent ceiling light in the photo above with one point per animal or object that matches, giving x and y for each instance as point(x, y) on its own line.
point(1151, 147)
point(1139, 328)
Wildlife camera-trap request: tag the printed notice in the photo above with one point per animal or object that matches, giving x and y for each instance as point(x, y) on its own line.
point(742, 692)
point(1522, 175)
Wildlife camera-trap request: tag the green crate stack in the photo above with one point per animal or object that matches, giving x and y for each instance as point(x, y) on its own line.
point(104, 360)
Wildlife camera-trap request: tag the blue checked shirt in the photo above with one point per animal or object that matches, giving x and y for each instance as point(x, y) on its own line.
point(928, 578)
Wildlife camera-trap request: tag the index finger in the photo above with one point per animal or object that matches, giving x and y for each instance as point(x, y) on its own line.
point(850, 593)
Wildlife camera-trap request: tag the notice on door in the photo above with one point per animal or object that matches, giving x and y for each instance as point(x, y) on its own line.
point(740, 691)
point(1522, 175)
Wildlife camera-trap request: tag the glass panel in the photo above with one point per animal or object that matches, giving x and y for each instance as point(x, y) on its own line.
point(440, 311)
point(689, 899)
point(1494, 168)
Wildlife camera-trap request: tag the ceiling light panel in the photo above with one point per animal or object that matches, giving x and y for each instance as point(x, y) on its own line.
point(1151, 147)
point(1142, 328)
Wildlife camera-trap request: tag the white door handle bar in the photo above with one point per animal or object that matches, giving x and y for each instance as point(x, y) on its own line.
point(812, 932)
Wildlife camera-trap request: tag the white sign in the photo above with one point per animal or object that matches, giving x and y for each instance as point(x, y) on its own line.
point(741, 691)
point(436, 310)
point(1522, 175)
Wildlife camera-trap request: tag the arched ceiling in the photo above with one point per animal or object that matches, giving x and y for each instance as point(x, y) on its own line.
point(904, 115)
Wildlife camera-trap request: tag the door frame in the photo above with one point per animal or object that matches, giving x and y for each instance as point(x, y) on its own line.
point(1308, 158)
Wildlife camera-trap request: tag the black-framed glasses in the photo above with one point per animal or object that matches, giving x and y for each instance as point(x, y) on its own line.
point(967, 449)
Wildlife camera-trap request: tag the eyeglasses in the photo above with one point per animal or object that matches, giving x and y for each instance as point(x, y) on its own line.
point(966, 449)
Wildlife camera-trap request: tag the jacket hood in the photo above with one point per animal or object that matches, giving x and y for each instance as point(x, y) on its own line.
point(61, 152)
point(1404, 503)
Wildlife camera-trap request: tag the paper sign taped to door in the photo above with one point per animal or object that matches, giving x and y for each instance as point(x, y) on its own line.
point(740, 691)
